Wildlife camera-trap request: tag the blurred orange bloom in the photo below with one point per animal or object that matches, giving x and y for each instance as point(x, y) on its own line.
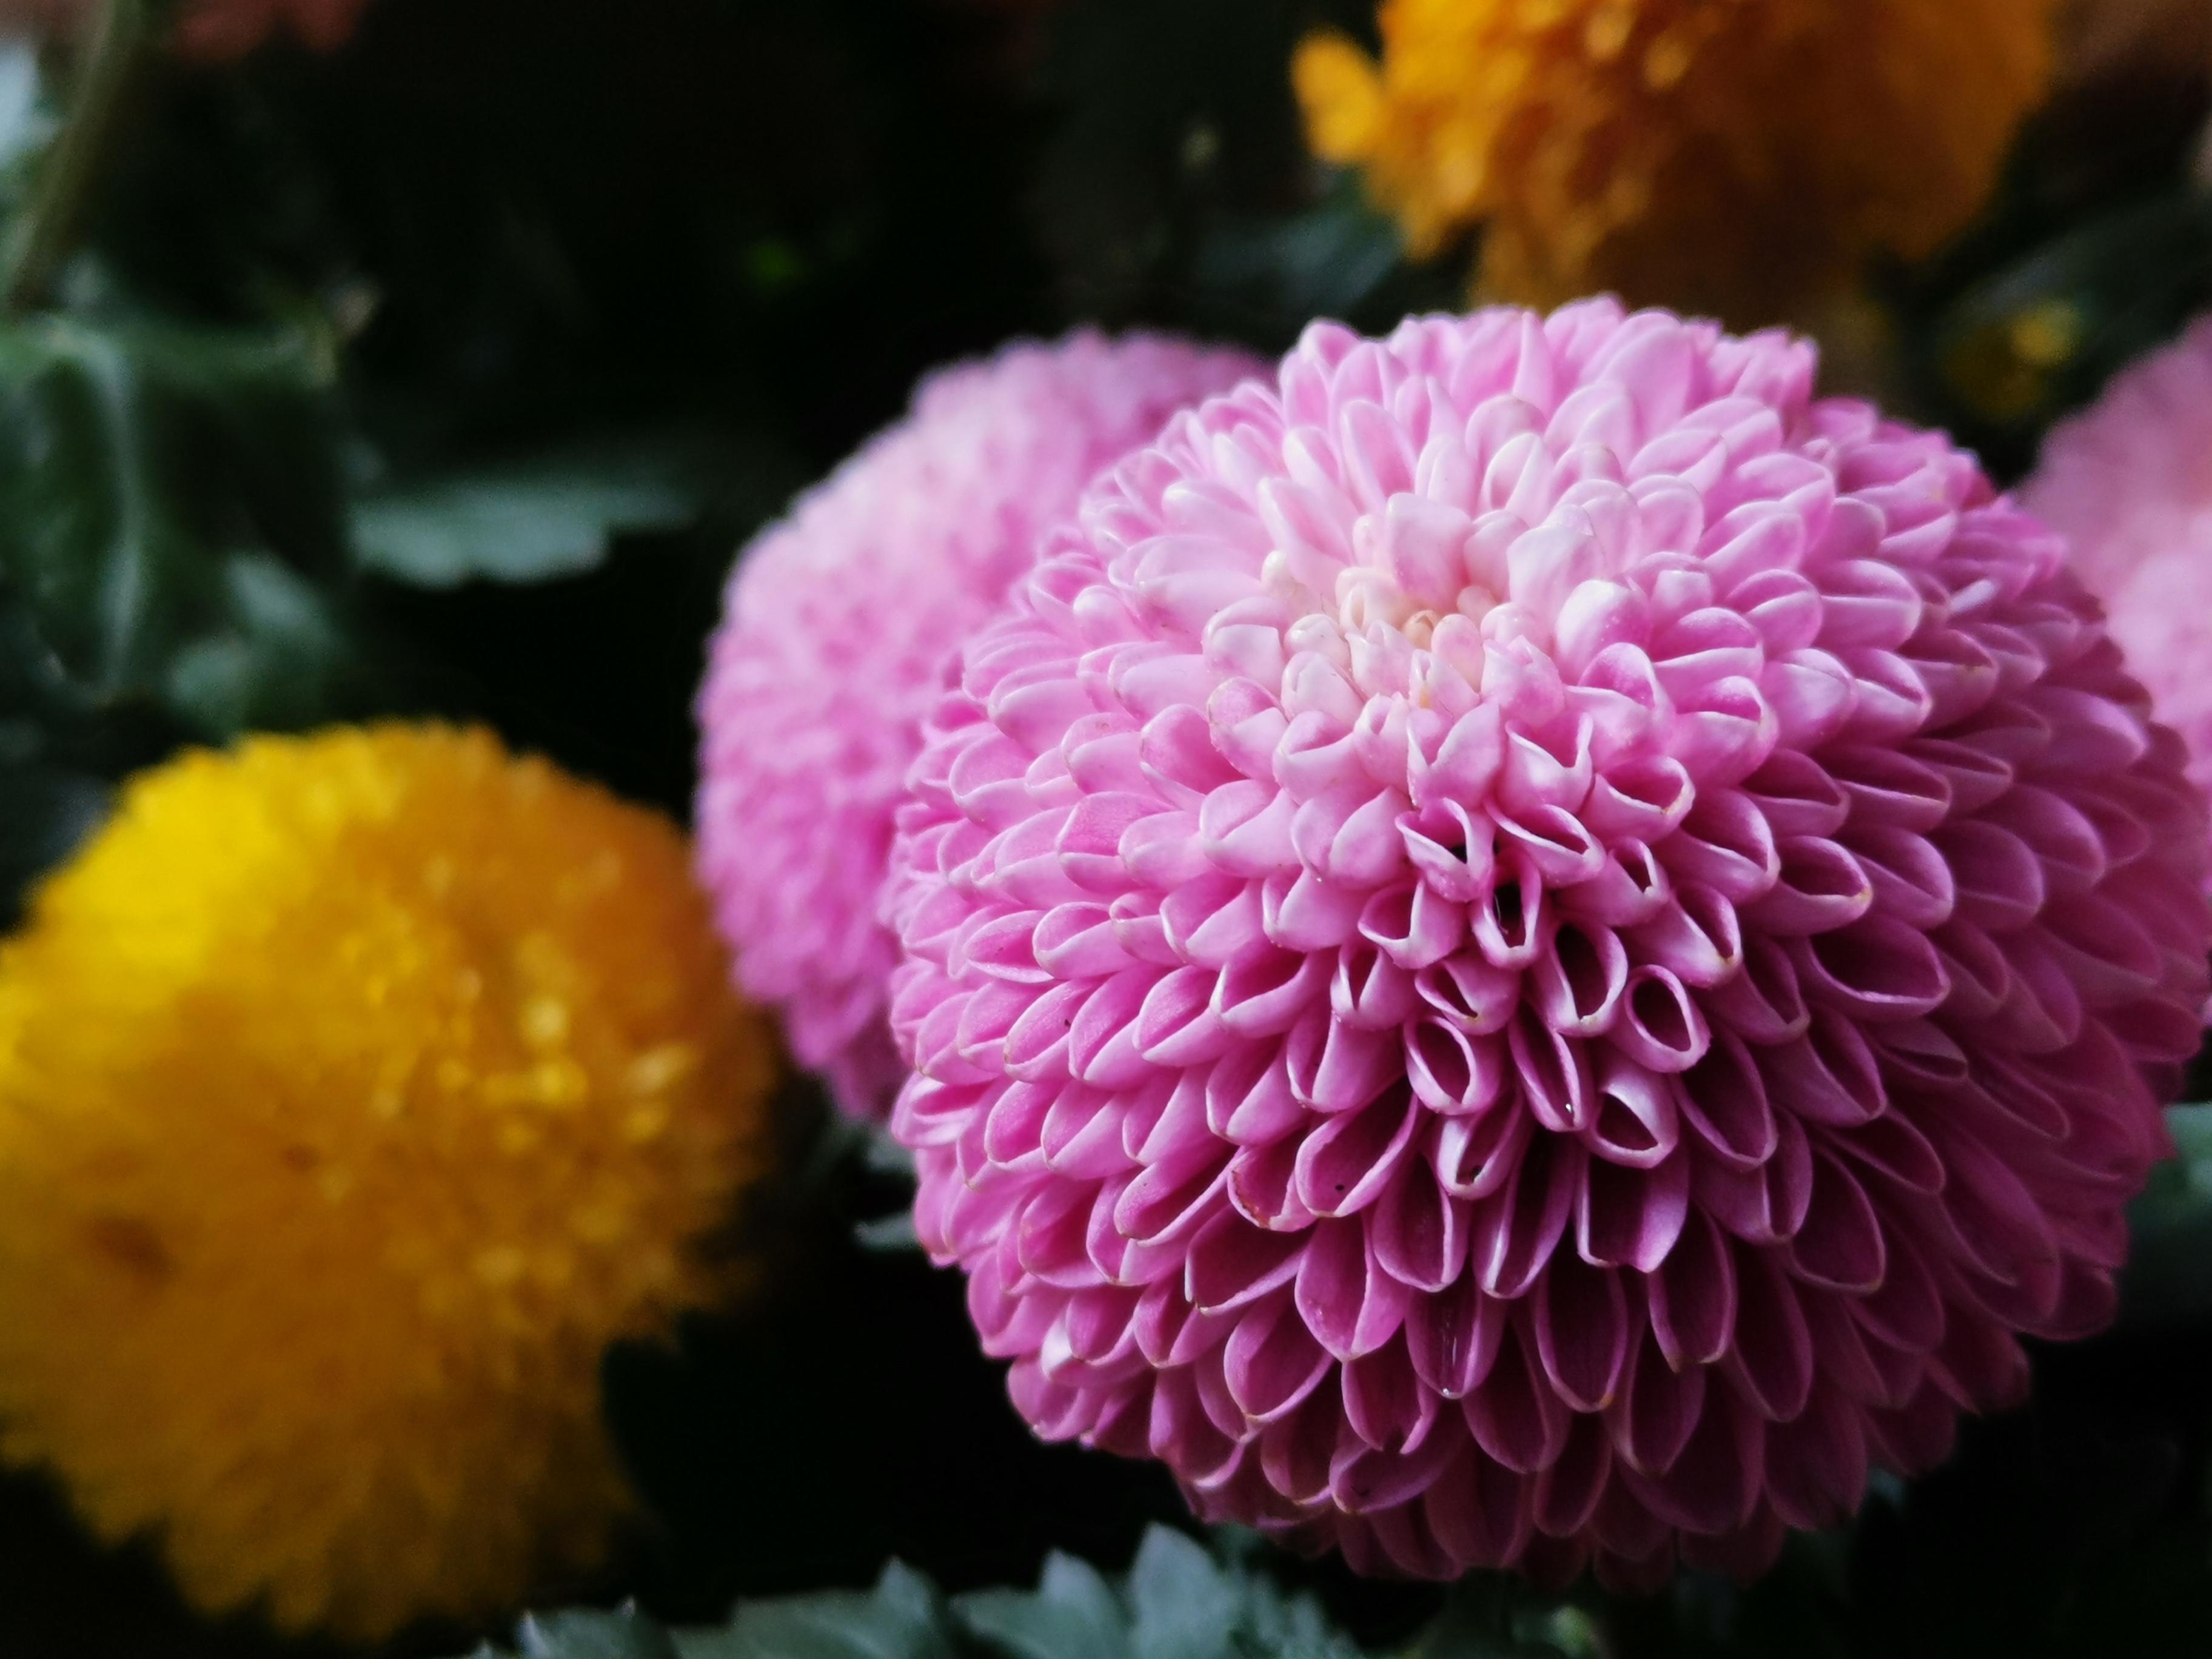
point(1709, 154)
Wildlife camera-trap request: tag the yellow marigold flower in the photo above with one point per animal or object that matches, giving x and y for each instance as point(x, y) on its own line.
point(1736, 156)
point(355, 1091)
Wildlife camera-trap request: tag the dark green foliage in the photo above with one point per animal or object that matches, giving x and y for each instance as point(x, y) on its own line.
point(2097, 248)
point(2169, 1276)
point(1179, 1600)
point(140, 462)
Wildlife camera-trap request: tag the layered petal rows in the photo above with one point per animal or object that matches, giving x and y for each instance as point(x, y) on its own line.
point(839, 622)
point(2128, 485)
point(1530, 947)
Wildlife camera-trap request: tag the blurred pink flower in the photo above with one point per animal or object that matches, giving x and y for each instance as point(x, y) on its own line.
point(1529, 947)
point(841, 620)
point(2130, 485)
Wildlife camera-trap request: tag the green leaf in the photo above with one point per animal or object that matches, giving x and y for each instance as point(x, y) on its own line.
point(1180, 1599)
point(524, 521)
point(1184, 1602)
point(902, 1618)
point(893, 1233)
point(2169, 1271)
point(276, 665)
point(1073, 1614)
point(139, 464)
point(26, 122)
point(623, 1635)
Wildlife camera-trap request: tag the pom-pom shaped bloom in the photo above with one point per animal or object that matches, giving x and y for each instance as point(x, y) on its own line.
point(1531, 946)
point(840, 621)
point(2130, 485)
point(1716, 156)
point(355, 1091)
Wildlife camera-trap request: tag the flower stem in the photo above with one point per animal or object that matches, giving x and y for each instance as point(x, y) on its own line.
point(42, 239)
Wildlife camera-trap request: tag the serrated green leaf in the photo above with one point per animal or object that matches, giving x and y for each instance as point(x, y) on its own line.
point(623, 1635)
point(1184, 1602)
point(524, 522)
point(1073, 1614)
point(901, 1618)
point(1179, 1600)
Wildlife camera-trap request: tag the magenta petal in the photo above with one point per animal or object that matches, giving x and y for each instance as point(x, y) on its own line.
point(1387, 1404)
point(1345, 1164)
point(1874, 969)
point(1829, 1076)
point(1638, 1120)
point(1450, 1071)
point(1337, 1067)
point(1567, 1492)
point(1418, 1231)
point(1582, 1315)
point(1364, 1480)
point(1453, 1338)
point(1657, 1410)
point(1817, 1464)
point(1271, 1362)
point(1182, 1430)
point(1821, 886)
point(1630, 1217)
point(1692, 1297)
point(1232, 1262)
point(1713, 1482)
point(1662, 1027)
point(1840, 1246)
point(1579, 982)
point(1480, 1511)
point(1514, 1231)
point(1297, 1452)
point(1412, 926)
point(1515, 1416)
point(1763, 1003)
point(1772, 1360)
point(1348, 1302)
point(1264, 990)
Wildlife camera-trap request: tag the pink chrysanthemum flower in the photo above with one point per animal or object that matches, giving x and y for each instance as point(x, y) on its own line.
point(1530, 947)
point(839, 623)
point(2130, 485)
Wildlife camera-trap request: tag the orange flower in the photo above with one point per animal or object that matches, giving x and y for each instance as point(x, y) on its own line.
point(1710, 155)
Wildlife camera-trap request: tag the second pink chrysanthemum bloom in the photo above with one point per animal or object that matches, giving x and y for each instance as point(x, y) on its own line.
point(840, 621)
point(1530, 947)
point(2130, 485)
